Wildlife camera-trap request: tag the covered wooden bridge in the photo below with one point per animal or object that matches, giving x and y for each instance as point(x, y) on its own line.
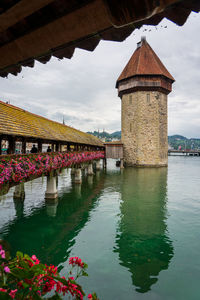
point(70, 147)
point(18, 125)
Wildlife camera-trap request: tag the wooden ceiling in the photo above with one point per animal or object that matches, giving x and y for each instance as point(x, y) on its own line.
point(40, 29)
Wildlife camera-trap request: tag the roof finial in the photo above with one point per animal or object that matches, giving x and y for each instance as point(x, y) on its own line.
point(143, 38)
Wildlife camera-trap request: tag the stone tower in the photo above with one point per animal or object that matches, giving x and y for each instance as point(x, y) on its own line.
point(143, 87)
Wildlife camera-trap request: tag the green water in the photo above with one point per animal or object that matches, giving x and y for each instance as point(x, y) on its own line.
point(138, 230)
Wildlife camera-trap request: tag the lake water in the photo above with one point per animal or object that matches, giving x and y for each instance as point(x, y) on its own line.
point(138, 229)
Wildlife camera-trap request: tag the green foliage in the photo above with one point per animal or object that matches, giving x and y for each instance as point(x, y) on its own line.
point(178, 140)
point(24, 277)
point(108, 136)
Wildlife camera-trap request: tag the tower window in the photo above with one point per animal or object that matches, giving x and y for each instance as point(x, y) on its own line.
point(130, 99)
point(130, 127)
point(148, 98)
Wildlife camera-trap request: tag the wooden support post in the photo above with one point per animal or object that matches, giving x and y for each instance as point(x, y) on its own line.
point(90, 169)
point(68, 147)
point(73, 171)
point(98, 166)
point(11, 147)
point(77, 178)
point(104, 163)
point(24, 147)
point(19, 192)
point(51, 190)
point(58, 147)
point(0, 145)
point(121, 163)
point(39, 146)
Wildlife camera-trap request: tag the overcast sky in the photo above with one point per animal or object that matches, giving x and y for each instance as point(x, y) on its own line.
point(83, 89)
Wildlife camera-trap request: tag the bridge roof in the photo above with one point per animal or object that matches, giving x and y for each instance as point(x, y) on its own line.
point(21, 123)
point(144, 61)
point(40, 29)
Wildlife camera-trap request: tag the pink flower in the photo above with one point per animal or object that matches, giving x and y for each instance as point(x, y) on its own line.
point(34, 258)
point(90, 296)
point(7, 270)
point(2, 254)
point(12, 293)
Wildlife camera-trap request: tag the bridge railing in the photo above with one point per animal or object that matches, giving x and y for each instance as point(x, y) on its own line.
point(17, 168)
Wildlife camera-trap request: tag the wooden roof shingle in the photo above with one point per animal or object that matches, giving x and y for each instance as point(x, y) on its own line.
point(21, 123)
point(144, 61)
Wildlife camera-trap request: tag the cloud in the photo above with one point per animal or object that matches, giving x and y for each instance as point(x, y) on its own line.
point(83, 89)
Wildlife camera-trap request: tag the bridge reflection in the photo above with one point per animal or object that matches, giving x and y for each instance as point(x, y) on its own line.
point(142, 239)
point(142, 242)
point(53, 225)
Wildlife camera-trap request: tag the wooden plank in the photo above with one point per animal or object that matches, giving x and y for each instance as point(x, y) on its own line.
point(114, 151)
point(20, 11)
point(72, 27)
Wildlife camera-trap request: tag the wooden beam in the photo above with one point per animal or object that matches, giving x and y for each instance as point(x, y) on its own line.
point(70, 28)
point(11, 147)
point(24, 146)
point(0, 145)
point(39, 146)
point(20, 11)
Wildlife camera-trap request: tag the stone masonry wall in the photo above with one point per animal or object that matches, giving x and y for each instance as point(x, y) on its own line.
point(144, 128)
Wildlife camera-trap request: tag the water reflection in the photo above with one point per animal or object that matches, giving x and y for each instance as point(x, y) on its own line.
point(142, 239)
point(50, 230)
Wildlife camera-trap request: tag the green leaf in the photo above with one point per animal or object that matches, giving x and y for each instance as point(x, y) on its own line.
point(36, 296)
point(94, 296)
point(22, 274)
point(26, 256)
point(24, 264)
point(38, 268)
point(4, 296)
point(85, 266)
point(62, 280)
point(19, 254)
point(84, 273)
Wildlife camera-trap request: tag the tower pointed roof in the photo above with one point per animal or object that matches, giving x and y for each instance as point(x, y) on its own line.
point(144, 61)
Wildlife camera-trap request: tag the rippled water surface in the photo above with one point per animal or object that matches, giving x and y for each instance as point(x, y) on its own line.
point(138, 229)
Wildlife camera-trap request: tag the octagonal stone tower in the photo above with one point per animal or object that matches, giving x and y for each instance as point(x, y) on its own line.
point(143, 87)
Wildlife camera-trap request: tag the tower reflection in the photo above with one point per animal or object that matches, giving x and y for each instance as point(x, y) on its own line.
point(142, 239)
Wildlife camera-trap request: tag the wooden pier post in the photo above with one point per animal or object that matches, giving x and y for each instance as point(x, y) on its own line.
point(78, 178)
point(19, 192)
point(51, 190)
point(98, 166)
point(90, 169)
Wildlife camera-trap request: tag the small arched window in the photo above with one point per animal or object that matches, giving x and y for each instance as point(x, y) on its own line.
point(130, 99)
